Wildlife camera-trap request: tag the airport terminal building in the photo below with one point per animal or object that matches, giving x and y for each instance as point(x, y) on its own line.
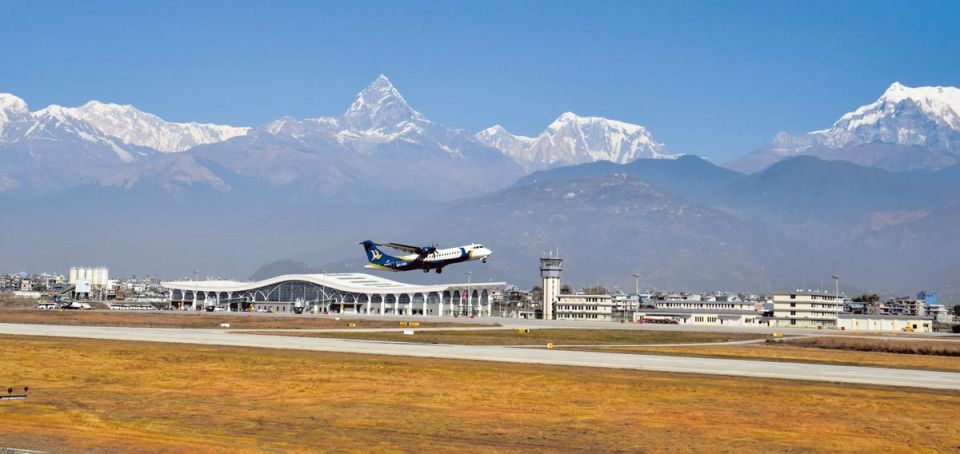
point(355, 293)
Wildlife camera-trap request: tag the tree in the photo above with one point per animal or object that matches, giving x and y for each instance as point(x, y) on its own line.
point(956, 310)
point(596, 290)
point(865, 298)
point(565, 289)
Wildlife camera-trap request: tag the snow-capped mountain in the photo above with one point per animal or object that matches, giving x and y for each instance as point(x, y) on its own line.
point(378, 116)
point(925, 116)
point(95, 121)
point(905, 129)
point(135, 127)
point(57, 147)
point(14, 116)
point(516, 147)
point(572, 139)
point(381, 108)
point(378, 135)
point(380, 145)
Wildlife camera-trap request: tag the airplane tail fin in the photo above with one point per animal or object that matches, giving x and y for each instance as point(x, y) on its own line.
point(374, 254)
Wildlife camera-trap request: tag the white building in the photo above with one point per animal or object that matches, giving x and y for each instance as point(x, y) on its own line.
point(717, 305)
point(598, 308)
point(806, 309)
point(940, 313)
point(355, 293)
point(99, 276)
point(703, 317)
point(884, 323)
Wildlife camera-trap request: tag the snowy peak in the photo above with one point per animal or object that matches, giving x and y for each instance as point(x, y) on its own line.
point(511, 145)
point(53, 121)
point(572, 139)
point(922, 116)
point(381, 107)
point(570, 119)
point(13, 115)
point(905, 128)
point(938, 104)
point(497, 133)
point(11, 105)
point(99, 122)
point(135, 127)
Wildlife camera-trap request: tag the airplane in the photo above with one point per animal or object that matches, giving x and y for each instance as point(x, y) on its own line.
point(74, 305)
point(61, 304)
point(421, 257)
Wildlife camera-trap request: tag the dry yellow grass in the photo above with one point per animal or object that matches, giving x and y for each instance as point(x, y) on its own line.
point(194, 320)
point(531, 337)
point(884, 345)
point(787, 352)
point(113, 396)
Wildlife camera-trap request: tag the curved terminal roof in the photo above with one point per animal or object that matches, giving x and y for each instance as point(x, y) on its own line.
point(347, 282)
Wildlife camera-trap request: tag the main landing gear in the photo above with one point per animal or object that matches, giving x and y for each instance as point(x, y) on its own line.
point(439, 270)
point(483, 261)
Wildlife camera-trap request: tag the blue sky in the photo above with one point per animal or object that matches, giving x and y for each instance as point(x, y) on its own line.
point(717, 79)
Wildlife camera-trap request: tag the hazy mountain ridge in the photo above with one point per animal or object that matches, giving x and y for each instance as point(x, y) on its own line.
point(607, 227)
point(802, 219)
point(687, 176)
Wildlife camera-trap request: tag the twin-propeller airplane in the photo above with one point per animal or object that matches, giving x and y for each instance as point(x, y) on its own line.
point(424, 258)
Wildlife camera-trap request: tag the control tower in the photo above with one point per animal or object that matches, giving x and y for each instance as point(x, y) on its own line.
point(550, 268)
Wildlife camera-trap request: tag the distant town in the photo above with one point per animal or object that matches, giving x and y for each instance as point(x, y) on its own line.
point(92, 288)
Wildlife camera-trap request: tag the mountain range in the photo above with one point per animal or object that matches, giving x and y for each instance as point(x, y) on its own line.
point(380, 143)
point(874, 198)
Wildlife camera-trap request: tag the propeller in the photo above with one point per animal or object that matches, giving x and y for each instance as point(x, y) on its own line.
point(425, 251)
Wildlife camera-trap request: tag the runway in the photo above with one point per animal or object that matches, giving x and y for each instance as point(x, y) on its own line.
point(659, 363)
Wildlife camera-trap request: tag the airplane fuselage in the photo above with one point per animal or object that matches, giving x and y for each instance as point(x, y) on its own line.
point(435, 260)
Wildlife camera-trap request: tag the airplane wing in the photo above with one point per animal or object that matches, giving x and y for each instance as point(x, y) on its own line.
point(404, 248)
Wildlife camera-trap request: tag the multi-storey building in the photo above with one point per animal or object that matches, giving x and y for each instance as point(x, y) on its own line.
point(597, 308)
point(806, 309)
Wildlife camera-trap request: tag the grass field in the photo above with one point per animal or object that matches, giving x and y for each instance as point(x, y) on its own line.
point(788, 351)
point(536, 336)
point(914, 346)
point(193, 320)
point(108, 396)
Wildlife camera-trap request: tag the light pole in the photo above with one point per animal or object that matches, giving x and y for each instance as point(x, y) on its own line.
point(637, 276)
point(836, 283)
point(196, 287)
point(469, 293)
